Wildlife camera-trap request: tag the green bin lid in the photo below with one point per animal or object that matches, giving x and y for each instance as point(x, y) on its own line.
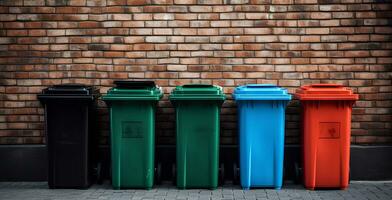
point(133, 90)
point(197, 92)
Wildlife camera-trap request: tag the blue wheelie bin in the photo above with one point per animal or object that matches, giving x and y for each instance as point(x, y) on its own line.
point(261, 112)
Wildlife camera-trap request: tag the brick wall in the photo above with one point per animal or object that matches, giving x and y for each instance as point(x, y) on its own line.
point(225, 42)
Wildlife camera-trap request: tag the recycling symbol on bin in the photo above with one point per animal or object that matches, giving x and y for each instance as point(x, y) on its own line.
point(132, 129)
point(332, 132)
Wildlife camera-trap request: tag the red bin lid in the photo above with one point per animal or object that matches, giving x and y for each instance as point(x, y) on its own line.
point(325, 92)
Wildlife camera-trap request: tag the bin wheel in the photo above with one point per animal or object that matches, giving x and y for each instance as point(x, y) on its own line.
point(222, 173)
point(298, 173)
point(158, 173)
point(236, 173)
point(110, 174)
point(174, 174)
point(98, 172)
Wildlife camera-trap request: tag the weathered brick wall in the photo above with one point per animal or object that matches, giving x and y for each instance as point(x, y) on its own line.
point(225, 42)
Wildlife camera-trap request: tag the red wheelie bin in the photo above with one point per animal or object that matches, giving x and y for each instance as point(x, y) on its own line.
point(326, 130)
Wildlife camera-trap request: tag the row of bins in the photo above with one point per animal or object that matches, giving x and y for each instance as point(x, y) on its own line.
point(326, 118)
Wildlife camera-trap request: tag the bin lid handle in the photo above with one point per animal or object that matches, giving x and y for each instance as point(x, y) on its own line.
point(134, 84)
point(197, 86)
point(260, 85)
point(326, 85)
point(69, 85)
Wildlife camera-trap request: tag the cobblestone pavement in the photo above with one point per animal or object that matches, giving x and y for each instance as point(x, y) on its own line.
point(38, 190)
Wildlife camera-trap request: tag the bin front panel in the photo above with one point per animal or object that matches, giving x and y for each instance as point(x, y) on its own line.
point(197, 144)
point(132, 144)
point(67, 143)
point(261, 125)
point(326, 143)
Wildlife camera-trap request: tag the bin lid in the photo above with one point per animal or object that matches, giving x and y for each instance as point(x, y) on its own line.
point(197, 92)
point(261, 92)
point(134, 84)
point(133, 90)
point(68, 91)
point(325, 92)
point(71, 89)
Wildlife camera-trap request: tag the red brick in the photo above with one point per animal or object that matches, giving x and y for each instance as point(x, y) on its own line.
point(255, 74)
point(220, 23)
point(255, 60)
point(211, 75)
point(189, 61)
point(320, 15)
point(142, 16)
point(37, 32)
point(13, 25)
point(257, 31)
point(231, 31)
point(334, 38)
point(207, 31)
point(7, 17)
point(289, 38)
point(387, 30)
point(154, 9)
point(356, 54)
point(14, 33)
point(185, 1)
point(59, 47)
point(256, 15)
point(310, 38)
point(77, 2)
point(330, 23)
point(185, 31)
point(317, 31)
point(210, 61)
point(187, 16)
point(289, 83)
point(333, 7)
point(343, 15)
point(345, 30)
point(162, 1)
point(199, 9)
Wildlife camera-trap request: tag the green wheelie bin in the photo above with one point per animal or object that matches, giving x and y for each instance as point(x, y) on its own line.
point(132, 122)
point(197, 134)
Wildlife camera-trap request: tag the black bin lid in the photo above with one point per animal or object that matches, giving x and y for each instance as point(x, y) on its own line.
point(68, 89)
point(134, 84)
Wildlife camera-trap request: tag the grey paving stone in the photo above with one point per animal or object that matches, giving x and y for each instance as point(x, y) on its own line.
point(38, 190)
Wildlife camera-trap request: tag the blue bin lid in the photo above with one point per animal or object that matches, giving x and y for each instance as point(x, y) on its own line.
point(260, 92)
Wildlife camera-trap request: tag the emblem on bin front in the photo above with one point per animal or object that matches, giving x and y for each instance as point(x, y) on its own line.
point(132, 129)
point(204, 129)
point(329, 130)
